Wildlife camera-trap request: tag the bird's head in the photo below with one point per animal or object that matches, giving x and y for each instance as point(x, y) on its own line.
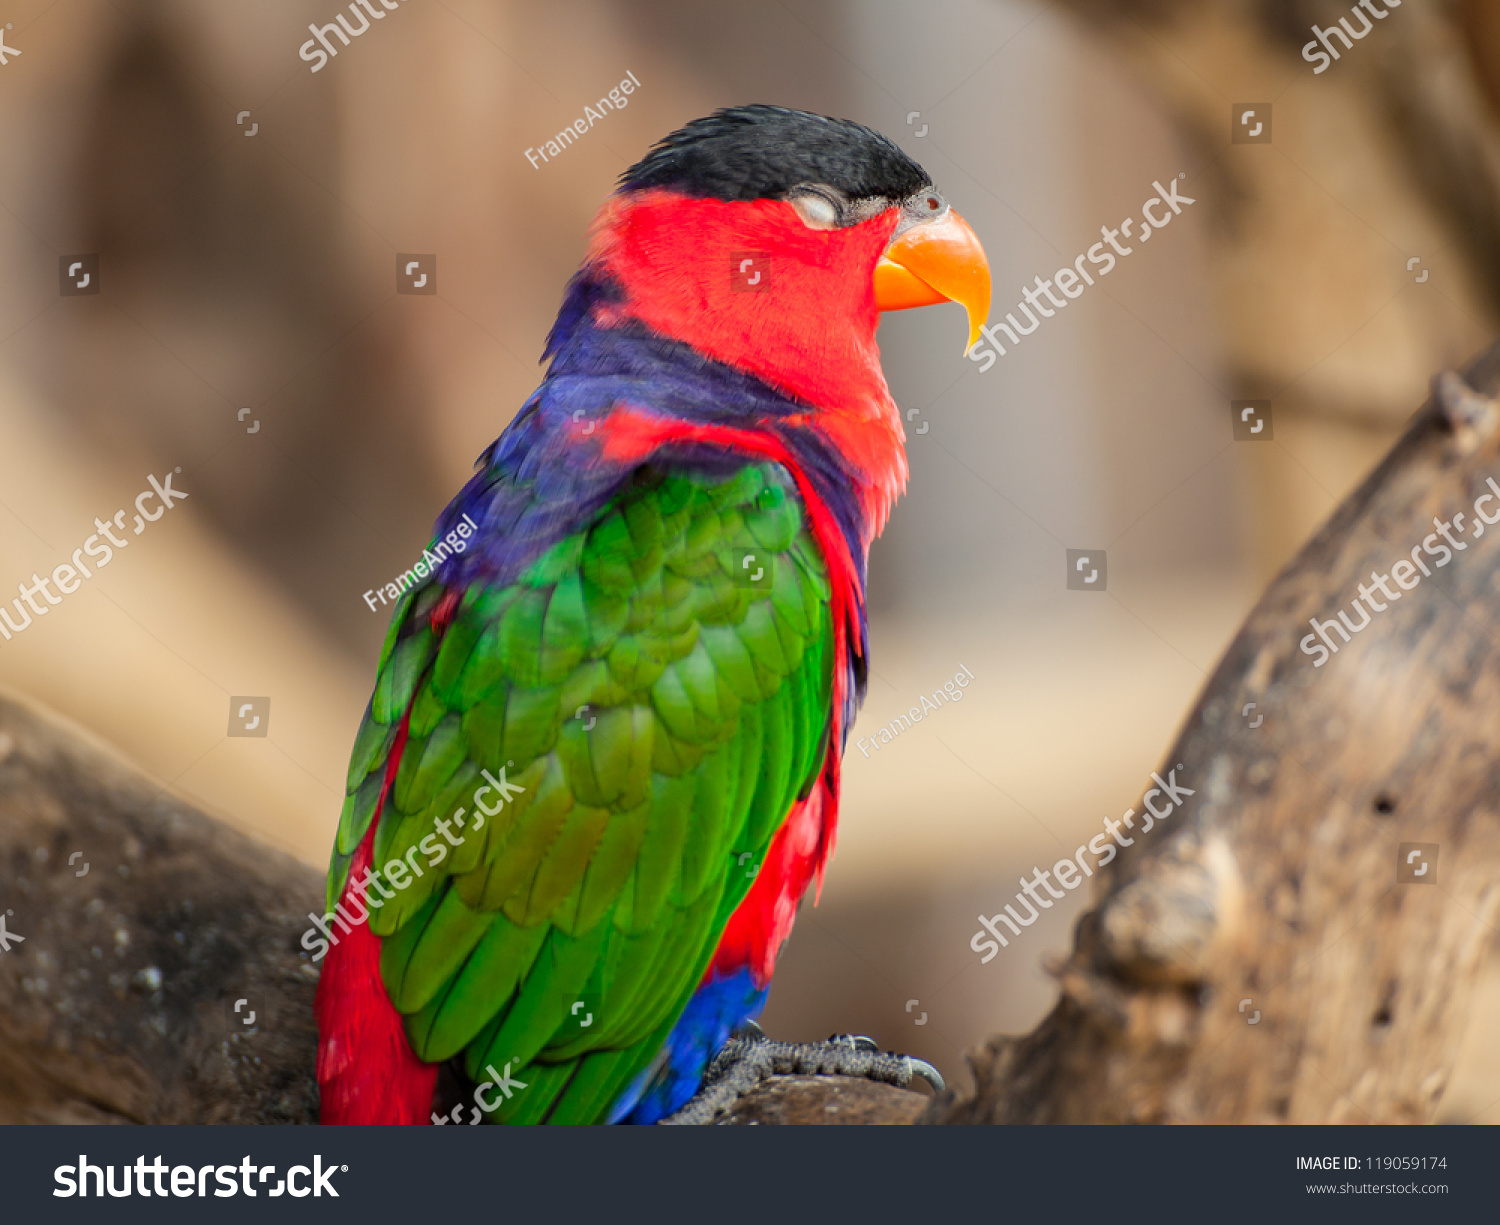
point(771, 239)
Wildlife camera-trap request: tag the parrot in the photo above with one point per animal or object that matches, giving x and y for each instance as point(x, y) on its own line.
point(601, 763)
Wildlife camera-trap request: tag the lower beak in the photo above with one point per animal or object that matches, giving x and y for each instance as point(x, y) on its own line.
point(936, 261)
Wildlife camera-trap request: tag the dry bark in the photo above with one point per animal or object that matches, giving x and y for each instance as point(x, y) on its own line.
point(1275, 883)
point(117, 1006)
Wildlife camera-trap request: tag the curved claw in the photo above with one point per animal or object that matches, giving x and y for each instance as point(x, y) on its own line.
point(749, 1029)
point(920, 1067)
point(859, 1042)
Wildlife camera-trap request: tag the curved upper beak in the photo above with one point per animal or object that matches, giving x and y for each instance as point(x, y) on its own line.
point(938, 261)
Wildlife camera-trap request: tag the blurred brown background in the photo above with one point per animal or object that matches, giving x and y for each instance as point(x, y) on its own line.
point(257, 272)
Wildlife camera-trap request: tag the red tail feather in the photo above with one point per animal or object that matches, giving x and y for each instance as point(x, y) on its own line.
point(367, 1071)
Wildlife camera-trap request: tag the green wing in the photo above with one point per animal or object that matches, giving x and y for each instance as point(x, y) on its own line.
point(663, 702)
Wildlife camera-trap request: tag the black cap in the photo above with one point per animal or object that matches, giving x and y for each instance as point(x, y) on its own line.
point(762, 152)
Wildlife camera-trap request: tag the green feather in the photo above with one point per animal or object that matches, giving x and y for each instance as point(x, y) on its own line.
point(371, 747)
point(417, 961)
point(659, 717)
point(455, 1016)
point(658, 866)
point(544, 1003)
point(399, 678)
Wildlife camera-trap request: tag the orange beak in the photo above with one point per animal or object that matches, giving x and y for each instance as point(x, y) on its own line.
point(939, 261)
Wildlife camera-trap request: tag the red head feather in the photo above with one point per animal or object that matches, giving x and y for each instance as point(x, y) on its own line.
point(810, 332)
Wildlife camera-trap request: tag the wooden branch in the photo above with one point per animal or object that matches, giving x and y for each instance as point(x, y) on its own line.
point(117, 1007)
point(1275, 883)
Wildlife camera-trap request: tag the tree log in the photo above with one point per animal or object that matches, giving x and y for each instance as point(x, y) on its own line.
point(1266, 955)
point(119, 1004)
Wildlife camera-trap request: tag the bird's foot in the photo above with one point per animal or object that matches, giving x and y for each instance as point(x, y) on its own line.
point(749, 1057)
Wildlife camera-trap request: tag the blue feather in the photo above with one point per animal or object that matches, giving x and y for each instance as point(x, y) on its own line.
point(717, 1009)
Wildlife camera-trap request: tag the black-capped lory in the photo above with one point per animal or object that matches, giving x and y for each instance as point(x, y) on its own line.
point(601, 763)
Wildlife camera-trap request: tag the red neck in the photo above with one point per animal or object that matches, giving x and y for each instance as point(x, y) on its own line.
point(810, 333)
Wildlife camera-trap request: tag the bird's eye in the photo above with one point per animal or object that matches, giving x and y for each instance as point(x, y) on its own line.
point(816, 210)
point(933, 203)
point(819, 209)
